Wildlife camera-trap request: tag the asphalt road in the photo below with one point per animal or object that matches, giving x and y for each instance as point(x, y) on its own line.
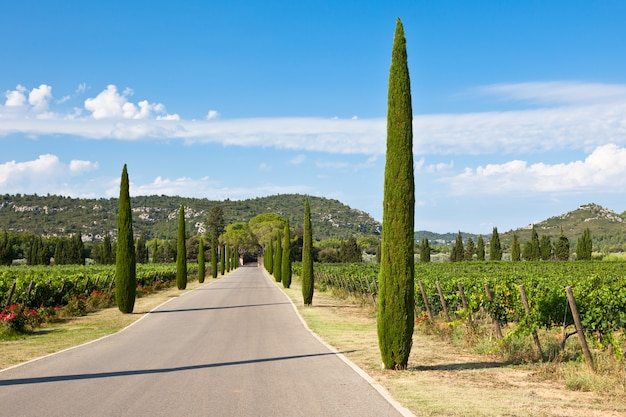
point(235, 347)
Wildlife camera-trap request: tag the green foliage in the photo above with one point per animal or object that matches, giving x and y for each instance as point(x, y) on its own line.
point(396, 287)
point(425, 250)
point(545, 248)
point(222, 260)
point(181, 252)
point(495, 249)
point(561, 248)
point(480, 248)
point(125, 266)
point(201, 265)
point(515, 249)
point(142, 249)
point(278, 260)
point(349, 251)
point(584, 246)
point(215, 222)
point(457, 250)
point(470, 250)
point(214, 256)
point(285, 273)
point(307, 257)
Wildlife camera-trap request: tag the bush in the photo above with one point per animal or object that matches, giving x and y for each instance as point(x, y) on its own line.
point(17, 317)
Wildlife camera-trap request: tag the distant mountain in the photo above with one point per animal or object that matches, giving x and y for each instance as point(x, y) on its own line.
point(608, 229)
point(443, 238)
point(156, 216)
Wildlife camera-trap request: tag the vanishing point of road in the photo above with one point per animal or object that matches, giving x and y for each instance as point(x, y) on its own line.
point(234, 347)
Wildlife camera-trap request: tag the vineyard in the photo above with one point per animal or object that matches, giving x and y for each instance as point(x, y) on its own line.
point(456, 291)
point(44, 286)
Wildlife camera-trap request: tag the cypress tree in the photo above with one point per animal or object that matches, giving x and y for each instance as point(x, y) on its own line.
point(425, 250)
point(561, 249)
point(470, 250)
point(228, 258)
point(125, 265)
point(270, 256)
point(278, 260)
point(457, 249)
point(515, 249)
point(307, 257)
point(545, 248)
point(213, 256)
point(395, 314)
point(142, 250)
point(285, 273)
point(223, 260)
point(181, 252)
point(201, 266)
point(480, 248)
point(535, 246)
point(495, 249)
point(584, 246)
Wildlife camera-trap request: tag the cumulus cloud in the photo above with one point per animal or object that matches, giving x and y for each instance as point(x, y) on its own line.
point(38, 97)
point(604, 170)
point(111, 104)
point(46, 174)
point(212, 115)
point(16, 98)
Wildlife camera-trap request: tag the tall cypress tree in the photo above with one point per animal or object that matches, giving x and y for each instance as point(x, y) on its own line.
point(201, 266)
point(584, 246)
point(561, 248)
point(425, 250)
point(142, 250)
point(213, 255)
point(181, 252)
point(480, 248)
point(307, 257)
point(495, 249)
point(515, 249)
point(457, 250)
point(270, 256)
point(125, 262)
point(285, 273)
point(223, 260)
point(395, 314)
point(278, 260)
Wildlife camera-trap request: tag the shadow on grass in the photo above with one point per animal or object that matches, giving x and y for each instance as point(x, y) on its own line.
point(465, 366)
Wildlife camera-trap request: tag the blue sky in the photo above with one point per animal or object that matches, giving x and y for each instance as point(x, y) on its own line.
point(519, 107)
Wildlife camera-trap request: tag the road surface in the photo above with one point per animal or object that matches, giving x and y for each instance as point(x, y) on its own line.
point(234, 347)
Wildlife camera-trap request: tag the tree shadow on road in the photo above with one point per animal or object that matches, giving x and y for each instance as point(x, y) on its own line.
point(114, 374)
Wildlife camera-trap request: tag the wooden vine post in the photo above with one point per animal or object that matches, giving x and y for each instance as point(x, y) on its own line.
point(464, 301)
point(443, 302)
point(579, 328)
point(425, 298)
point(494, 320)
point(522, 292)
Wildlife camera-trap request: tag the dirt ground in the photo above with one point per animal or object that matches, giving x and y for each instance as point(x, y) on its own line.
point(446, 380)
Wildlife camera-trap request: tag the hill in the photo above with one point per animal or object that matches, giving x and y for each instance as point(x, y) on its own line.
point(608, 229)
point(156, 216)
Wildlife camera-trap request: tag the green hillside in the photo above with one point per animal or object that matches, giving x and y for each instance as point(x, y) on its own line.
point(608, 229)
point(156, 216)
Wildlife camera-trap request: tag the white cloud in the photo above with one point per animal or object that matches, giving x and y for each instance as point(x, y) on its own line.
point(604, 170)
point(38, 97)
point(589, 116)
point(558, 92)
point(111, 104)
point(46, 174)
point(16, 98)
